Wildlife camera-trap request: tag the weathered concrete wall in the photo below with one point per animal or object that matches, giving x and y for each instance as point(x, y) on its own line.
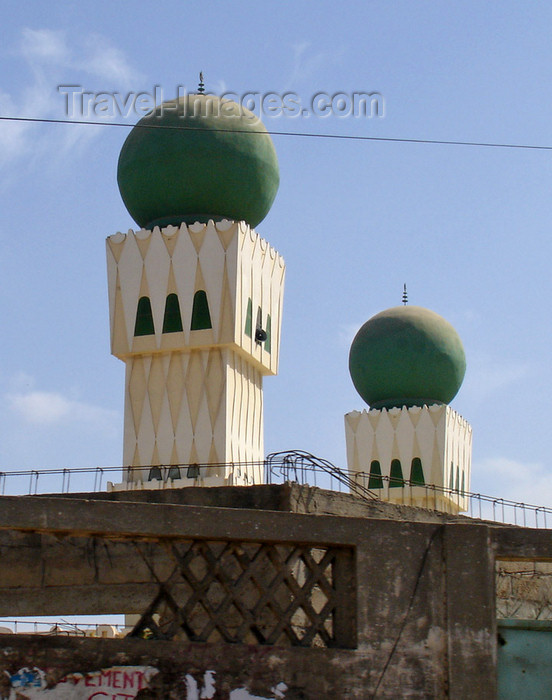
point(422, 595)
point(419, 611)
point(288, 497)
point(524, 590)
point(185, 668)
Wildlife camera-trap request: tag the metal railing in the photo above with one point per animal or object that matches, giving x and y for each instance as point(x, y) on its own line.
point(293, 466)
point(62, 628)
point(304, 468)
point(297, 465)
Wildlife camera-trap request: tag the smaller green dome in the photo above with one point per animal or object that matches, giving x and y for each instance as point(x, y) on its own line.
point(407, 356)
point(210, 159)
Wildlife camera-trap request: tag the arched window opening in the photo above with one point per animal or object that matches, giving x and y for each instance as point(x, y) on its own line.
point(249, 319)
point(144, 318)
point(451, 483)
point(396, 479)
point(155, 474)
point(174, 473)
point(458, 479)
point(201, 318)
point(172, 320)
point(268, 329)
point(193, 471)
point(463, 483)
point(417, 472)
point(375, 481)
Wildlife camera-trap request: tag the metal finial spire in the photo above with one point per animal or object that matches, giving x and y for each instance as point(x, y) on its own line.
point(404, 295)
point(201, 86)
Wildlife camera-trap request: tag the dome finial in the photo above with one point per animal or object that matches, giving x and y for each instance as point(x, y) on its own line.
point(201, 86)
point(404, 295)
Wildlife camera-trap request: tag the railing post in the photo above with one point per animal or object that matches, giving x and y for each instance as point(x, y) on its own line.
point(66, 472)
point(34, 474)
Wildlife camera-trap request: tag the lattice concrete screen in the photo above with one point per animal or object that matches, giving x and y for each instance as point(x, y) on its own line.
point(252, 593)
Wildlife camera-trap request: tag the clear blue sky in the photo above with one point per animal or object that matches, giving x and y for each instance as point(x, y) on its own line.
point(467, 228)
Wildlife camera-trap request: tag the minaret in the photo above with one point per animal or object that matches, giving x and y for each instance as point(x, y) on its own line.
point(195, 295)
point(408, 363)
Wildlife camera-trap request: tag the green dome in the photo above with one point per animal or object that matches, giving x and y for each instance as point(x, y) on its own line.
point(407, 356)
point(215, 161)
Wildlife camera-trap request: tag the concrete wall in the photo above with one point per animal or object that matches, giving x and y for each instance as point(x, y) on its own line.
point(421, 596)
point(288, 497)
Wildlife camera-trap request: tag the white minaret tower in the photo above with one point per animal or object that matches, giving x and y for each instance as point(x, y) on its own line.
point(195, 296)
point(411, 447)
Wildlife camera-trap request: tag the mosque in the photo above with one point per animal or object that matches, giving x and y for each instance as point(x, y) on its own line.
point(241, 589)
point(196, 298)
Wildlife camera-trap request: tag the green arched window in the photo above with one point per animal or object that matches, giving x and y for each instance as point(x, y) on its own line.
point(396, 478)
point(375, 481)
point(201, 318)
point(457, 479)
point(172, 320)
point(268, 343)
point(417, 472)
point(451, 484)
point(174, 473)
point(144, 318)
point(249, 319)
point(155, 474)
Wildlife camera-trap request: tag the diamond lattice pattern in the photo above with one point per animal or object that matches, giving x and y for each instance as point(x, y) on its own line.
point(249, 593)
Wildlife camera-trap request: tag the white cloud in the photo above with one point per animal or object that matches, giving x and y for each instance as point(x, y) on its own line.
point(522, 482)
point(219, 87)
point(52, 60)
point(13, 135)
point(41, 407)
point(46, 408)
point(107, 62)
point(306, 63)
point(44, 46)
point(486, 377)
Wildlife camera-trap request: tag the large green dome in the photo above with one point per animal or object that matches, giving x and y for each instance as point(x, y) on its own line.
point(212, 160)
point(407, 356)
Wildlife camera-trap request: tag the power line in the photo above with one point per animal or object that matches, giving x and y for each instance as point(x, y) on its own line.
point(302, 134)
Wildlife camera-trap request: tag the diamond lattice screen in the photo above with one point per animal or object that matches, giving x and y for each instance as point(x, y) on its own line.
point(253, 593)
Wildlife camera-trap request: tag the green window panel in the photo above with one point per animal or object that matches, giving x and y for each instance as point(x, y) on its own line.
point(268, 342)
point(201, 318)
point(417, 472)
point(396, 479)
point(172, 320)
point(463, 483)
point(144, 318)
point(249, 319)
point(375, 481)
point(155, 474)
point(457, 479)
point(451, 485)
point(174, 473)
